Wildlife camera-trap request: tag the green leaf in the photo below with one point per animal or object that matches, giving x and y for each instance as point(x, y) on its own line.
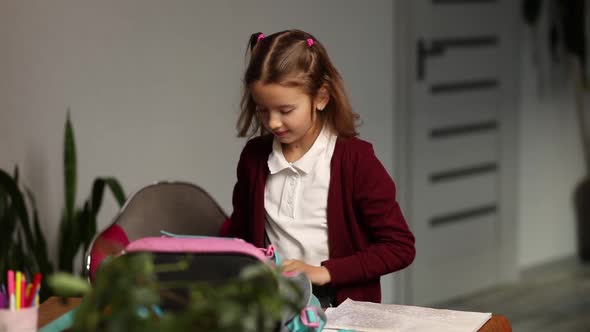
point(40, 246)
point(73, 246)
point(116, 190)
point(70, 241)
point(98, 192)
point(3, 203)
point(7, 231)
point(7, 225)
point(70, 175)
point(15, 174)
point(18, 262)
point(65, 238)
point(96, 195)
point(65, 284)
point(87, 222)
point(17, 202)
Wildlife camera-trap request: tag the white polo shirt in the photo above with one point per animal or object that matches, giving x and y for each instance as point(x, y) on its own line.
point(296, 200)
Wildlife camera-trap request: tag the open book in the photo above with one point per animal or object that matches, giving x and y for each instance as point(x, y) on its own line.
point(375, 317)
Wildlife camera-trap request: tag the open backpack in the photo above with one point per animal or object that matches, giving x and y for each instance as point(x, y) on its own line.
point(194, 218)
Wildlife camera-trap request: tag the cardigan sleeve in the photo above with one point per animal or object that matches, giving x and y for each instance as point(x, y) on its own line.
point(238, 225)
point(391, 245)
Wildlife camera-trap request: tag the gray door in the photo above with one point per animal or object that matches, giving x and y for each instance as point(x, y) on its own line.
point(461, 155)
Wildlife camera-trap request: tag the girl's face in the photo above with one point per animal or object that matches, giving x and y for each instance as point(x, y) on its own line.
point(289, 113)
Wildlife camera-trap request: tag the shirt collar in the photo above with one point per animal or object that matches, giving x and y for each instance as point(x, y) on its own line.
point(277, 161)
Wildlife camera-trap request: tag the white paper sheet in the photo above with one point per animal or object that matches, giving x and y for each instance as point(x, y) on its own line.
point(375, 317)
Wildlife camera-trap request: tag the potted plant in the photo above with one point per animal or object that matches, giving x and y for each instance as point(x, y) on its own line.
point(22, 243)
point(78, 224)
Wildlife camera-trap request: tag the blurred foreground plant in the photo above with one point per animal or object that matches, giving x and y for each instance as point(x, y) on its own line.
point(127, 294)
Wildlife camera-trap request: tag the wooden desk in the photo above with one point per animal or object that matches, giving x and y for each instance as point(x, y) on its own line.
point(53, 308)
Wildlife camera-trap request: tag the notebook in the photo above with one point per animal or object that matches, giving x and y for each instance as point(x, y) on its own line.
point(375, 317)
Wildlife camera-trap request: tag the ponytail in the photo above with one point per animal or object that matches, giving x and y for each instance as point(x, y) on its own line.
point(253, 41)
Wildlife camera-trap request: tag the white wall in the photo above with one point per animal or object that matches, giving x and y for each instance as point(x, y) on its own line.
point(154, 86)
point(551, 160)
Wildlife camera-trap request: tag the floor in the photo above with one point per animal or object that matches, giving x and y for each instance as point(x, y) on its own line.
point(552, 297)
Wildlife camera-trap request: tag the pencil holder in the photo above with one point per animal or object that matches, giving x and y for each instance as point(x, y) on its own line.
point(23, 320)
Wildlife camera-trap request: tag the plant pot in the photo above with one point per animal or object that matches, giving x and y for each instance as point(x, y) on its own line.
point(582, 206)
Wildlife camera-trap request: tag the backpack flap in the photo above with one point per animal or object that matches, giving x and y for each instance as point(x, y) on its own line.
point(214, 259)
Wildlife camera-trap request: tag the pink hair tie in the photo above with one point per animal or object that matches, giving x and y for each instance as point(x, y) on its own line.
point(309, 42)
point(260, 36)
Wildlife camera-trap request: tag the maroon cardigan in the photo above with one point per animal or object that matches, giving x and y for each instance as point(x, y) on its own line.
point(367, 233)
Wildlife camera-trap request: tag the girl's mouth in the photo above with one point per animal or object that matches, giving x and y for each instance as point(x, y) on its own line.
point(280, 133)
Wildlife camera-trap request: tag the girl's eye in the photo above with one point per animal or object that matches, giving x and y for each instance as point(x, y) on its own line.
point(261, 110)
point(286, 111)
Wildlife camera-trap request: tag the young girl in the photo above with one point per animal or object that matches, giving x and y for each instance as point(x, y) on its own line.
point(306, 184)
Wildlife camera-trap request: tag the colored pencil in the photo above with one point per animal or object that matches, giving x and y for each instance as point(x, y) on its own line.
point(23, 290)
point(34, 290)
point(2, 298)
point(11, 299)
point(17, 287)
point(5, 297)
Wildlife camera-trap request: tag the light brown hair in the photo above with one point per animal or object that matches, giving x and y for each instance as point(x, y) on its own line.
point(287, 59)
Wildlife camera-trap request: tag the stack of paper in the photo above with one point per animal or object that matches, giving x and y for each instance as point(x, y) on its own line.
point(375, 317)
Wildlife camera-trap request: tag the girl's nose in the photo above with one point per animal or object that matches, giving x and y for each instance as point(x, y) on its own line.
point(274, 121)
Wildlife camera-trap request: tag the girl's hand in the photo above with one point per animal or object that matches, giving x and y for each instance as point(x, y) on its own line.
point(318, 275)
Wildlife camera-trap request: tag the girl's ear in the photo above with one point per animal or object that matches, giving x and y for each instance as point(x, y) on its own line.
point(322, 98)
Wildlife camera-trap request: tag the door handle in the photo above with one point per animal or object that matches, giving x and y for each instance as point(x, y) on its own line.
point(423, 52)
